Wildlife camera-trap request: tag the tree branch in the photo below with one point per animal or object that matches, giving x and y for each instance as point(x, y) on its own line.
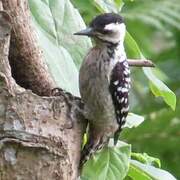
point(26, 58)
point(140, 63)
point(5, 69)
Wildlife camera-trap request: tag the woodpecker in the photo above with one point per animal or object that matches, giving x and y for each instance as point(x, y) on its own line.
point(104, 82)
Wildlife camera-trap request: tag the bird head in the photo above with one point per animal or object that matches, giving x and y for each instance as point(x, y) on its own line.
point(108, 27)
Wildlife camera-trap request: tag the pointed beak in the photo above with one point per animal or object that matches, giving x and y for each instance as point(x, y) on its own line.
point(85, 32)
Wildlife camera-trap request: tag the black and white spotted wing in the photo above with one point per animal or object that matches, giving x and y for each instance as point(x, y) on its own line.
point(119, 89)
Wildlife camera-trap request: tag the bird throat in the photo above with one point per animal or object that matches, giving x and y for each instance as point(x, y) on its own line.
point(116, 52)
point(111, 54)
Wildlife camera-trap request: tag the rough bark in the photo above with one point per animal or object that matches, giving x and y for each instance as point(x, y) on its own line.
point(26, 59)
point(37, 140)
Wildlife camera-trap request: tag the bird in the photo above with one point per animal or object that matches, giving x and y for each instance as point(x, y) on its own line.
point(104, 82)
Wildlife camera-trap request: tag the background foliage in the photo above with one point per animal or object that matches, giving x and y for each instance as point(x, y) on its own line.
point(155, 28)
point(155, 25)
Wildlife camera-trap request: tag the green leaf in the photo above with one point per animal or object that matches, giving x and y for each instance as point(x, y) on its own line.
point(133, 120)
point(119, 3)
point(111, 163)
point(157, 87)
point(86, 8)
point(146, 169)
point(55, 22)
point(131, 47)
point(150, 172)
point(160, 89)
point(109, 5)
point(137, 174)
point(146, 159)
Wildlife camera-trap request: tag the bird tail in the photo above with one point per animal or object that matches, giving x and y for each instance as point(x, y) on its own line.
point(90, 148)
point(87, 152)
point(116, 135)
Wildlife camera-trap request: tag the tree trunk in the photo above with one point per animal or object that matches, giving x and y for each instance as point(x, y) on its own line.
point(40, 137)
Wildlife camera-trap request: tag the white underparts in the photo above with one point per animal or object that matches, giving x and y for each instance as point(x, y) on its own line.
point(125, 109)
point(128, 79)
point(122, 99)
point(116, 82)
point(123, 90)
point(119, 53)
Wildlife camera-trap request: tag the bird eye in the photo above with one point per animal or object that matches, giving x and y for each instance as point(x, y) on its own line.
point(104, 31)
point(107, 31)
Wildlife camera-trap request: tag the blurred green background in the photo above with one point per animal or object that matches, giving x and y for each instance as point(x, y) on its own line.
point(155, 25)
